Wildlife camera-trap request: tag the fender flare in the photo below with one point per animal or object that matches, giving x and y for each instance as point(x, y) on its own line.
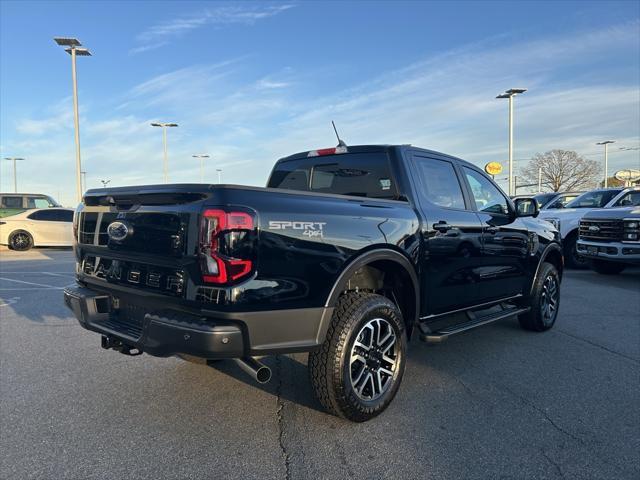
point(367, 258)
point(545, 253)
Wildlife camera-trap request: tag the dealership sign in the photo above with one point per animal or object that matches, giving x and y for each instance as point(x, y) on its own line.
point(493, 168)
point(628, 175)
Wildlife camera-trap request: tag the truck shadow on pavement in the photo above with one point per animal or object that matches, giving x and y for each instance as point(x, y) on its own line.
point(289, 379)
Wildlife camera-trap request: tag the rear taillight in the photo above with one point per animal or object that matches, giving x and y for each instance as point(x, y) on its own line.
point(227, 245)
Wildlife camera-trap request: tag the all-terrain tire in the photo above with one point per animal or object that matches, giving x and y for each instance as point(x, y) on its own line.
point(544, 300)
point(332, 367)
point(607, 268)
point(20, 241)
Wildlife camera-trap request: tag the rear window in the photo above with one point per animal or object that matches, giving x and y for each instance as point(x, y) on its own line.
point(357, 174)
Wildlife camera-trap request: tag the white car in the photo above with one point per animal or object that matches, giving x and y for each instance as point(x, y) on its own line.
point(42, 227)
point(567, 219)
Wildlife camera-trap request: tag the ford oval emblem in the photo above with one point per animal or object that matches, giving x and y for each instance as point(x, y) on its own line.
point(594, 228)
point(119, 230)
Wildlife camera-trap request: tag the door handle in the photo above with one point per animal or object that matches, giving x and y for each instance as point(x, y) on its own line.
point(442, 226)
point(492, 230)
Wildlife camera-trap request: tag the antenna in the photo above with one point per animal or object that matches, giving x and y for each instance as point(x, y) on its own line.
point(340, 142)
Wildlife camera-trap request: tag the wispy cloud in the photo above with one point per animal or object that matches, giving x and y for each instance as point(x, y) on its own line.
point(445, 102)
point(159, 35)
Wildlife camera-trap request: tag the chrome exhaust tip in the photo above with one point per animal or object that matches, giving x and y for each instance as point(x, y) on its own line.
point(259, 371)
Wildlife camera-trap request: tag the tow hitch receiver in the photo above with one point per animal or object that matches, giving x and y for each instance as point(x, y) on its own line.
point(108, 342)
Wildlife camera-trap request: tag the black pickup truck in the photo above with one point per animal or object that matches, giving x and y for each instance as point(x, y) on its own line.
point(345, 254)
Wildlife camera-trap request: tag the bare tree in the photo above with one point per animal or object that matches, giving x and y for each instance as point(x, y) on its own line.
point(562, 170)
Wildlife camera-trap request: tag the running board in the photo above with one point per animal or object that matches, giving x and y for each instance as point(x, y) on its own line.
point(474, 321)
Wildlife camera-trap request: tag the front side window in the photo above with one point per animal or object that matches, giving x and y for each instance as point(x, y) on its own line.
point(12, 202)
point(37, 202)
point(630, 199)
point(488, 197)
point(439, 183)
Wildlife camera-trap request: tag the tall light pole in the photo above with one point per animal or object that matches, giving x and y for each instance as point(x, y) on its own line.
point(105, 183)
point(165, 163)
point(606, 160)
point(219, 170)
point(84, 180)
point(15, 171)
point(539, 179)
point(73, 48)
point(512, 92)
point(201, 156)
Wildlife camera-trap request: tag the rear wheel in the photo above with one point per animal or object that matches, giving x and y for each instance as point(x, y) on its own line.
point(571, 256)
point(607, 268)
point(357, 371)
point(544, 300)
point(20, 241)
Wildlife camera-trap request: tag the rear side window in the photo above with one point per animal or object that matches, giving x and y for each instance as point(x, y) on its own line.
point(358, 174)
point(12, 202)
point(439, 183)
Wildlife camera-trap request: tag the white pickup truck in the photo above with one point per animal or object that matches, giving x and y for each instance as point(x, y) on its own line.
point(567, 220)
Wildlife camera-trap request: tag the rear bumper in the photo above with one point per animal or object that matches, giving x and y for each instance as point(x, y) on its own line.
point(207, 334)
point(613, 251)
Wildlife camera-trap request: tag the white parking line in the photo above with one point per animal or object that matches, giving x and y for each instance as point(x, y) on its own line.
point(9, 301)
point(32, 283)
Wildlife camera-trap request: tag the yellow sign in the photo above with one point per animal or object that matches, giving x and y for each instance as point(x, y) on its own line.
point(493, 168)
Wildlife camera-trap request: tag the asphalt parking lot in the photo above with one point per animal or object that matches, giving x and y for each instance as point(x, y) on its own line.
point(497, 402)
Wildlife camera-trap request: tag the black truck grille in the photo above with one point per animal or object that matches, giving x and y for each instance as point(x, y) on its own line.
point(601, 230)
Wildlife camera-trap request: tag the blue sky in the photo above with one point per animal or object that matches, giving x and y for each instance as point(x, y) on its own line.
point(249, 82)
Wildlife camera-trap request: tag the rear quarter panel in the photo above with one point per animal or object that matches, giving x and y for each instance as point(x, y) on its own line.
point(305, 242)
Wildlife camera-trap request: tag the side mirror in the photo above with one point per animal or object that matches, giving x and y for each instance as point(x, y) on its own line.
point(527, 207)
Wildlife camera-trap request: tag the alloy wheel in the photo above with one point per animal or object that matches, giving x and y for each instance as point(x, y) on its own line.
point(549, 299)
point(374, 359)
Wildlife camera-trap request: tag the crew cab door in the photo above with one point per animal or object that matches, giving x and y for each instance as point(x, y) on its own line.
point(506, 245)
point(451, 236)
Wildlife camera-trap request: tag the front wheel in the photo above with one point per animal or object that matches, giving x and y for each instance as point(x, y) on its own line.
point(544, 300)
point(21, 241)
point(357, 371)
point(607, 268)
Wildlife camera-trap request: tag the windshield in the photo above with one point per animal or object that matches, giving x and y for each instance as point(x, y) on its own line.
point(594, 199)
point(544, 198)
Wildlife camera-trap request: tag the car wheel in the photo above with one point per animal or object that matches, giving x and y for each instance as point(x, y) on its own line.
point(20, 241)
point(357, 371)
point(607, 268)
point(572, 257)
point(544, 300)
